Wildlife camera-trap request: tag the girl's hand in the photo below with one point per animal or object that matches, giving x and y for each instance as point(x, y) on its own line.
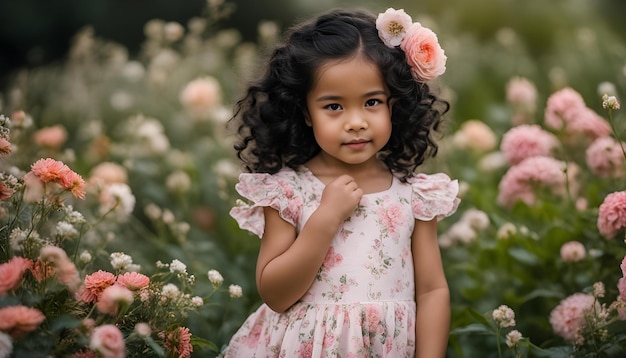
point(341, 196)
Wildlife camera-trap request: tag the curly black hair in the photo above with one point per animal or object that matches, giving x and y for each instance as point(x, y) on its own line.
point(270, 118)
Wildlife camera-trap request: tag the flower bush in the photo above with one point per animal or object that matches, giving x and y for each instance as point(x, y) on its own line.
point(551, 242)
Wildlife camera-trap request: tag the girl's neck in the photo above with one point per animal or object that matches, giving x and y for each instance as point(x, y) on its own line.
point(372, 176)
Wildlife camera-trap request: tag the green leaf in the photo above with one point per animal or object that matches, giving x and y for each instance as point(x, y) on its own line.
point(474, 328)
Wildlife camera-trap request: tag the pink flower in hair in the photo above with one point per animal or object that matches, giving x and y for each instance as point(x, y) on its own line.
point(525, 141)
point(423, 53)
point(392, 26)
point(612, 214)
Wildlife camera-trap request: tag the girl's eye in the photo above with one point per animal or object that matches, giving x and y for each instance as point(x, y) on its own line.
point(372, 102)
point(333, 107)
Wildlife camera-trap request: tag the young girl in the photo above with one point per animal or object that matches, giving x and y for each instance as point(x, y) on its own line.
point(349, 264)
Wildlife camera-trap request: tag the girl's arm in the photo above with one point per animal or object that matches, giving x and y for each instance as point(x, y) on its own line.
point(286, 266)
point(432, 324)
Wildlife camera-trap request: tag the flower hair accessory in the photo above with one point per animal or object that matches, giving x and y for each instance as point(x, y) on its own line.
point(420, 44)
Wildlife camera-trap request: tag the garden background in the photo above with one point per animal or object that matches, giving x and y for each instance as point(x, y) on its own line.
point(114, 75)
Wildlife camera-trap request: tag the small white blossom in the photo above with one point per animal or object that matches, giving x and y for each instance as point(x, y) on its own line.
point(74, 217)
point(610, 102)
point(197, 301)
point(120, 260)
point(216, 278)
point(6, 345)
point(506, 231)
point(504, 316)
point(598, 290)
point(152, 211)
point(170, 290)
point(85, 257)
point(17, 238)
point(143, 329)
point(235, 291)
point(66, 230)
point(512, 338)
point(178, 267)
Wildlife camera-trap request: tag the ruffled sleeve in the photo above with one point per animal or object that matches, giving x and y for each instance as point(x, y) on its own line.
point(276, 191)
point(434, 196)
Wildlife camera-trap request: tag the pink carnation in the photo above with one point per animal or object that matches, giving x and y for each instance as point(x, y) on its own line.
point(19, 320)
point(423, 53)
point(5, 191)
point(525, 141)
point(566, 112)
point(612, 214)
point(178, 342)
point(521, 180)
point(95, 284)
point(561, 107)
point(573, 251)
point(50, 170)
point(521, 95)
point(51, 137)
point(5, 147)
point(133, 280)
point(605, 158)
point(11, 273)
point(108, 341)
point(568, 318)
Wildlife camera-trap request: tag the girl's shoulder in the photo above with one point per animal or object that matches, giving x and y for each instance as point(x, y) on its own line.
point(433, 195)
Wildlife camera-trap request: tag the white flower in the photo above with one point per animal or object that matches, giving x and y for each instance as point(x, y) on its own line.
point(235, 291)
point(504, 316)
point(73, 217)
point(117, 197)
point(178, 267)
point(143, 329)
point(66, 230)
point(85, 256)
point(392, 26)
point(178, 182)
point(6, 345)
point(120, 260)
point(197, 301)
point(477, 219)
point(17, 237)
point(506, 231)
point(512, 338)
point(215, 277)
point(170, 290)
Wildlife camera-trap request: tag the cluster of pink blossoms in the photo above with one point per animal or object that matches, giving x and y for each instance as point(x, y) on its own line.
point(49, 171)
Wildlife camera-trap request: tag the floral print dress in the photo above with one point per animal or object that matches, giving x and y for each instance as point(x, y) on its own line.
point(362, 301)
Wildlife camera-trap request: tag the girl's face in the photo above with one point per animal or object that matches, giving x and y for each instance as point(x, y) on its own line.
point(349, 111)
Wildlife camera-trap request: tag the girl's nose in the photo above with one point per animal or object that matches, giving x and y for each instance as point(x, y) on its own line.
point(355, 122)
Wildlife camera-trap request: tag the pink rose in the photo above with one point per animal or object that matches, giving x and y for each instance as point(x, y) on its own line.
point(19, 320)
point(423, 53)
point(525, 141)
point(573, 251)
point(201, 95)
point(612, 214)
point(108, 341)
point(114, 297)
point(50, 137)
point(605, 158)
point(392, 26)
point(11, 273)
point(568, 318)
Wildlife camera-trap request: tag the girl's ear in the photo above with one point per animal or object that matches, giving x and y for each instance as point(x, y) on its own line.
point(307, 117)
